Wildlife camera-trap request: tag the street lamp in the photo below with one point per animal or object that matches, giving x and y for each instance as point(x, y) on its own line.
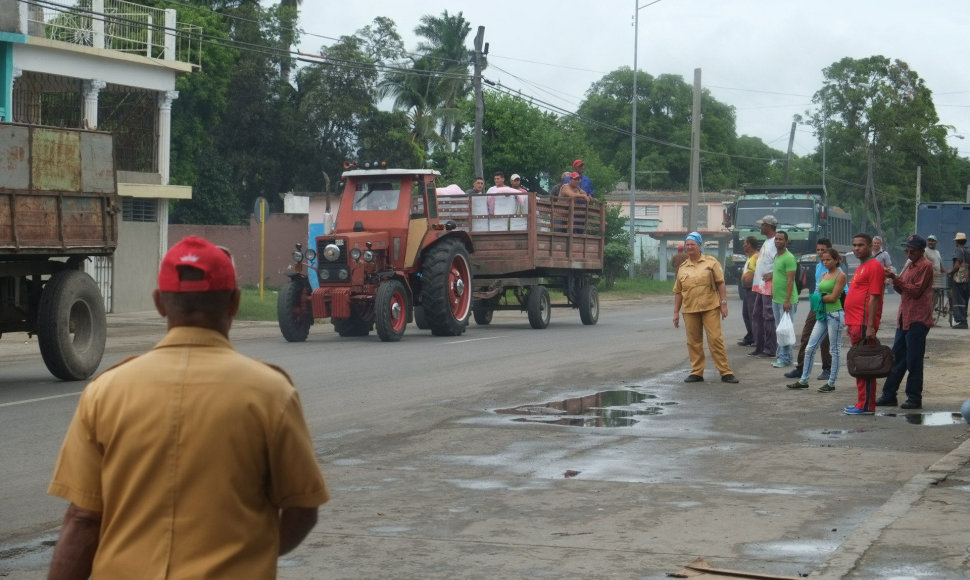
point(633, 132)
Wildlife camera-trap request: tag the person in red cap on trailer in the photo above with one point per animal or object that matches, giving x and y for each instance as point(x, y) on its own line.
point(192, 460)
point(584, 183)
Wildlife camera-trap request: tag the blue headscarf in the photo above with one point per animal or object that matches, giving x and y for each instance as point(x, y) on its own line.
point(697, 238)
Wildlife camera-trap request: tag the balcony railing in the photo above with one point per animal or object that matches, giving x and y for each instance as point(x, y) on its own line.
point(117, 25)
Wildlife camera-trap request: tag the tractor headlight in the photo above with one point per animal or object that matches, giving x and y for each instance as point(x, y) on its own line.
point(355, 254)
point(297, 256)
point(331, 252)
point(368, 256)
point(342, 274)
point(310, 255)
point(324, 274)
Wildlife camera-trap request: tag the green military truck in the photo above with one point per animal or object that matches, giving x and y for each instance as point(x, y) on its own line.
point(802, 211)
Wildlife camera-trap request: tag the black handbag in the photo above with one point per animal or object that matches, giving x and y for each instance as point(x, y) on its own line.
point(868, 359)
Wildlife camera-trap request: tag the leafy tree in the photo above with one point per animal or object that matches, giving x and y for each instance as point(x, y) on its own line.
point(874, 104)
point(617, 252)
point(663, 125)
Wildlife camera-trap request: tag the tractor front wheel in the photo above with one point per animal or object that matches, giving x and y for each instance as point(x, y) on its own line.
point(391, 311)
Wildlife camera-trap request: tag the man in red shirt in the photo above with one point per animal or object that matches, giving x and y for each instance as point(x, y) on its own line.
point(863, 309)
point(915, 286)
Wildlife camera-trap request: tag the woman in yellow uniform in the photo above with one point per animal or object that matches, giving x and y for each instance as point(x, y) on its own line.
point(701, 295)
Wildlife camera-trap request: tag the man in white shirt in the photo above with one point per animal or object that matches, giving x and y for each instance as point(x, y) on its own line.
point(762, 315)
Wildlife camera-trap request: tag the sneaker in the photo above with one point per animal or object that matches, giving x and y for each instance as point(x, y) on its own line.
point(824, 375)
point(856, 411)
point(886, 402)
point(795, 373)
point(765, 355)
point(826, 388)
point(745, 343)
point(694, 379)
point(780, 365)
point(754, 353)
point(729, 378)
point(797, 385)
point(962, 326)
point(911, 405)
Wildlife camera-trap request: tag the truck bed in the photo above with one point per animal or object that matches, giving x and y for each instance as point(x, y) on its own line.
point(543, 237)
point(57, 192)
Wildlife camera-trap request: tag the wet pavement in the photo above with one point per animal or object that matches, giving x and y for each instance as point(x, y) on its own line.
point(634, 478)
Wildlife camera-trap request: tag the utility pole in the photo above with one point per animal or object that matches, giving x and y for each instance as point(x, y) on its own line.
point(695, 155)
point(919, 179)
point(633, 141)
point(791, 143)
point(479, 103)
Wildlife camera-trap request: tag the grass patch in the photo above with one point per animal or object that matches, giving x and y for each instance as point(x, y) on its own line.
point(636, 288)
point(252, 308)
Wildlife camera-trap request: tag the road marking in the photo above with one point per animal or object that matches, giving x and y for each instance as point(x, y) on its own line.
point(475, 339)
point(24, 402)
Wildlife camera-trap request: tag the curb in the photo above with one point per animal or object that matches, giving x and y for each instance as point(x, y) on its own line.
point(845, 558)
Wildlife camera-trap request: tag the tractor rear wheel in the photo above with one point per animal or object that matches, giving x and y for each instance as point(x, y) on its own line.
point(294, 314)
point(360, 323)
point(446, 292)
point(391, 310)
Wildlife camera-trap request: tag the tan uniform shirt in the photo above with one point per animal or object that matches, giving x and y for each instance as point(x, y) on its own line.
point(697, 284)
point(189, 452)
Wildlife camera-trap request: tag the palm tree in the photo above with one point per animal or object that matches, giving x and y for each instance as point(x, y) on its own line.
point(436, 82)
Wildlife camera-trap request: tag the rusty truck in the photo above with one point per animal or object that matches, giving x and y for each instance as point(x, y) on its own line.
point(58, 207)
point(402, 251)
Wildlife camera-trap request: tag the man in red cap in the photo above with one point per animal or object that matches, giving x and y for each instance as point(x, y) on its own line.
point(191, 461)
point(584, 183)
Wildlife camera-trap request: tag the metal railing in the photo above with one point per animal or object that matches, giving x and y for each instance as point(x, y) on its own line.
point(116, 25)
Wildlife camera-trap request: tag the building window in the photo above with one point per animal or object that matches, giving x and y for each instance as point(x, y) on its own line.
point(135, 209)
point(649, 211)
point(701, 215)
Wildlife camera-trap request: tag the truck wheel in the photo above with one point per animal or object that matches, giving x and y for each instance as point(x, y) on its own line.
point(589, 304)
point(420, 320)
point(71, 325)
point(360, 323)
point(539, 307)
point(482, 312)
point(447, 289)
point(294, 314)
point(391, 311)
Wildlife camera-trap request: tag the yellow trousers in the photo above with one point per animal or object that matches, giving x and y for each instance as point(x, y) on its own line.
point(697, 324)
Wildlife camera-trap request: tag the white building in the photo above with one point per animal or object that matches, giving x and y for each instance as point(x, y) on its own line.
point(109, 65)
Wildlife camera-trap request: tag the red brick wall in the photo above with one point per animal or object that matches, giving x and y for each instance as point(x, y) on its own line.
point(283, 231)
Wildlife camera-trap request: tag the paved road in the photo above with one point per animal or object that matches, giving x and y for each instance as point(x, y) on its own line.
point(430, 482)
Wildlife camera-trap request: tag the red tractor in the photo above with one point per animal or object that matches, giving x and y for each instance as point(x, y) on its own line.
point(389, 260)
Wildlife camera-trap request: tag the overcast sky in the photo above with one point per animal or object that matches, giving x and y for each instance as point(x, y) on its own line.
point(764, 57)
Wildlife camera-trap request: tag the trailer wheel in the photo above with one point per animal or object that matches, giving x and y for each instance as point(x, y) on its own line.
point(539, 307)
point(420, 320)
point(391, 311)
point(294, 314)
point(589, 304)
point(446, 292)
point(71, 325)
point(482, 311)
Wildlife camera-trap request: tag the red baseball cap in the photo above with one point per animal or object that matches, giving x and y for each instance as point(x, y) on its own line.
point(574, 175)
point(578, 163)
point(214, 262)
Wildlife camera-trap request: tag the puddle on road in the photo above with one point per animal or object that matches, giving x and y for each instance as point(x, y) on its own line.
point(616, 408)
point(937, 418)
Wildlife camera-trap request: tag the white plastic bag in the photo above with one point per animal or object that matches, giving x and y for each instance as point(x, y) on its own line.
point(785, 331)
